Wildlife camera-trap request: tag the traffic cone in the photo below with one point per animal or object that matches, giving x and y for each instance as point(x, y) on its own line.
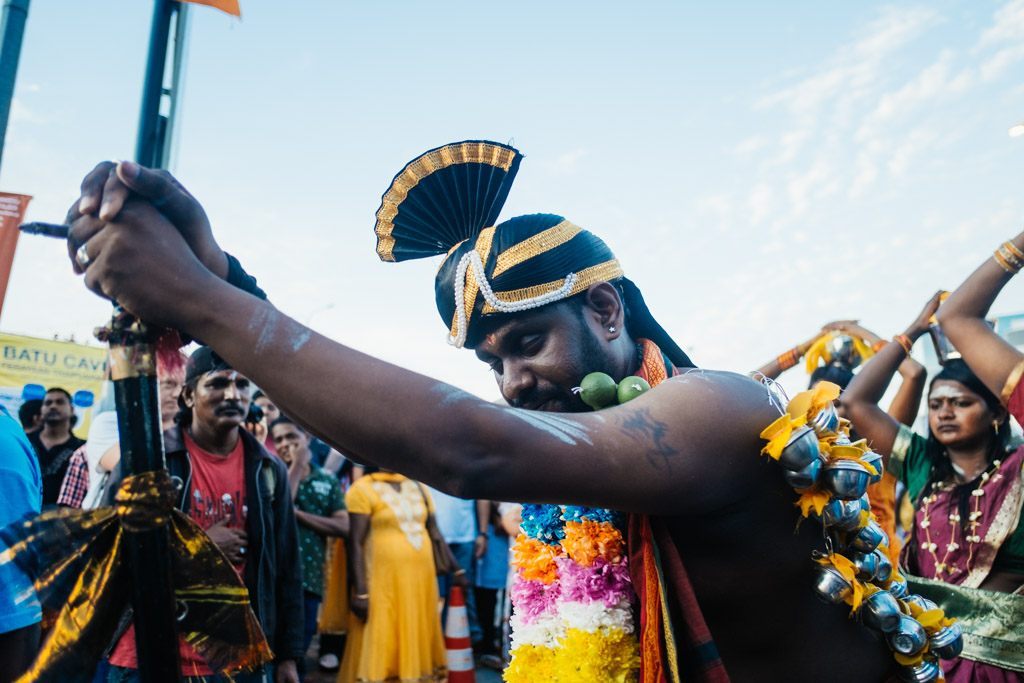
point(456, 640)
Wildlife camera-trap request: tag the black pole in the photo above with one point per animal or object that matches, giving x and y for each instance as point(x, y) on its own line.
point(148, 149)
point(12, 30)
point(133, 369)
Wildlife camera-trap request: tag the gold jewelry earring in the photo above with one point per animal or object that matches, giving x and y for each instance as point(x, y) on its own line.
point(995, 426)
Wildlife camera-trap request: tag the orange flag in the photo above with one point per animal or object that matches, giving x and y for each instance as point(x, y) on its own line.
point(12, 213)
point(229, 6)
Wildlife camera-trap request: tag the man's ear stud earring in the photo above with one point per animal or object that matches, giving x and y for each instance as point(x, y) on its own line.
point(611, 329)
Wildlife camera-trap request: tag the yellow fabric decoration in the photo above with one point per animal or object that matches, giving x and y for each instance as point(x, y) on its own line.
point(934, 620)
point(818, 353)
point(849, 572)
point(814, 497)
point(78, 559)
point(807, 404)
point(912, 660)
point(777, 434)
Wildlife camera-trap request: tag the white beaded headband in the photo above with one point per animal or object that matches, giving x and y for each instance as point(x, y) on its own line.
point(472, 258)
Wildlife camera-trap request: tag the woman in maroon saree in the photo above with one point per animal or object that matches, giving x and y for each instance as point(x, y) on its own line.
point(966, 550)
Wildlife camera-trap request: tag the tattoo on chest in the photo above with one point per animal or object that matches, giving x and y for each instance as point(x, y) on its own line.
point(642, 427)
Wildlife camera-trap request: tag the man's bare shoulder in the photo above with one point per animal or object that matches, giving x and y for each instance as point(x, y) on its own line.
point(718, 394)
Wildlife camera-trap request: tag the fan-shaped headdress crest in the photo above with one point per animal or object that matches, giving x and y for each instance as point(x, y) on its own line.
point(447, 201)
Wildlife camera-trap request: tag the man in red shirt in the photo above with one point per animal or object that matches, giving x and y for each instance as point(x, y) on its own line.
point(239, 493)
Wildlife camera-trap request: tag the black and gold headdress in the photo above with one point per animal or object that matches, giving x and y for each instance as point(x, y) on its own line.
point(447, 201)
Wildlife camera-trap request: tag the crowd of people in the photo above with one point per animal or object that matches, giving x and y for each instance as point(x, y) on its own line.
point(653, 541)
point(221, 436)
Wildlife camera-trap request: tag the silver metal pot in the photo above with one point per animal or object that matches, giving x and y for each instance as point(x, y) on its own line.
point(868, 538)
point(806, 477)
point(909, 638)
point(842, 514)
point(866, 564)
point(875, 460)
point(884, 570)
point(801, 449)
point(846, 479)
point(830, 586)
point(826, 422)
point(947, 643)
point(881, 611)
point(924, 672)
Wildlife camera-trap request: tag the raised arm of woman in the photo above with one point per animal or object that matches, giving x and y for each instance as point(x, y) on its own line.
point(865, 390)
point(962, 318)
point(905, 405)
point(787, 359)
point(907, 402)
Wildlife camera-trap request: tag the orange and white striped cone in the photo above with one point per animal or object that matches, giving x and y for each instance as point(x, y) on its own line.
point(456, 640)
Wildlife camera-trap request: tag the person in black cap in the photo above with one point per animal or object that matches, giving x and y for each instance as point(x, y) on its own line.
point(239, 494)
point(544, 303)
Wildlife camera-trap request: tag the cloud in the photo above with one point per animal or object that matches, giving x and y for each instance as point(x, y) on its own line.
point(750, 145)
point(935, 81)
point(1008, 24)
point(854, 66)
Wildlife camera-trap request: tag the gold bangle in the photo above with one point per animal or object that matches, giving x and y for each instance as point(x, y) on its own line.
point(364, 596)
point(1012, 248)
point(459, 572)
point(787, 360)
point(1010, 257)
point(1004, 263)
point(904, 341)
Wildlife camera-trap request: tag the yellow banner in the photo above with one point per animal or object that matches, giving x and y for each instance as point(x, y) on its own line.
point(30, 366)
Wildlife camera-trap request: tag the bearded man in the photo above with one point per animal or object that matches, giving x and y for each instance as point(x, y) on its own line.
point(712, 551)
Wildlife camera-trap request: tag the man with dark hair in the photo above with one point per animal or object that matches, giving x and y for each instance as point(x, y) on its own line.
point(238, 493)
point(30, 415)
point(544, 303)
point(319, 511)
point(54, 443)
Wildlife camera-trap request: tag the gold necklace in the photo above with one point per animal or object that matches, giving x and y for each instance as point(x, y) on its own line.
point(974, 521)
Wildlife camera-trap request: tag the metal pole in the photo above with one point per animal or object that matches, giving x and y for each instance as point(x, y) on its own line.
point(12, 30)
point(148, 147)
point(173, 91)
point(133, 369)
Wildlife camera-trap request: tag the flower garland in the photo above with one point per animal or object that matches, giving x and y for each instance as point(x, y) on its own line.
point(572, 596)
point(831, 474)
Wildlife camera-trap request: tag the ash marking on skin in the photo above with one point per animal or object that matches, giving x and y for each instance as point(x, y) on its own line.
point(563, 429)
point(699, 374)
point(300, 337)
point(448, 395)
point(263, 324)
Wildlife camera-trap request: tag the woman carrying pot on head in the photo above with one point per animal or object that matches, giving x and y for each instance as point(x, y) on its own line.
point(833, 353)
point(965, 551)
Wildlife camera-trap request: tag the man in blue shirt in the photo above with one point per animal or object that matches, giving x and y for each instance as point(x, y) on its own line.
point(23, 494)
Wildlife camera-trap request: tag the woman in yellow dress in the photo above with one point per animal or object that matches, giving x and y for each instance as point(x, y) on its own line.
point(395, 633)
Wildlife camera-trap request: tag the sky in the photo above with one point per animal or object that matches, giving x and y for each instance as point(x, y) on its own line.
point(759, 169)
